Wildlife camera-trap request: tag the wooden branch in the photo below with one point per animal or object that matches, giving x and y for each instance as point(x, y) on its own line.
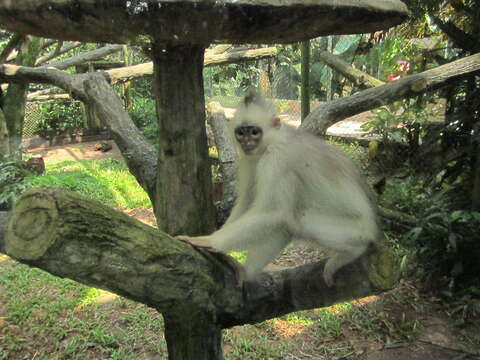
point(49, 97)
point(140, 156)
point(211, 59)
point(90, 243)
point(219, 49)
point(57, 52)
point(356, 76)
point(87, 56)
point(14, 41)
point(69, 236)
point(239, 55)
point(300, 288)
point(227, 155)
point(13, 54)
point(331, 112)
point(73, 84)
point(44, 92)
point(460, 38)
point(146, 69)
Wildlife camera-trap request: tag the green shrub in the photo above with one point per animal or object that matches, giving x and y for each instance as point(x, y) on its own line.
point(60, 115)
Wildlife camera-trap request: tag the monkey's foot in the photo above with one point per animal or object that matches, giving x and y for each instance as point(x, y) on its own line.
point(239, 269)
point(329, 272)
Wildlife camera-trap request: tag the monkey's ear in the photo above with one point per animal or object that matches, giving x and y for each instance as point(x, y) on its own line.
point(276, 122)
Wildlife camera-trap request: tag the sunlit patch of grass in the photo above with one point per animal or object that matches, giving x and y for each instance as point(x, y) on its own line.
point(240, 256)
point(105, 180)
point(92, 297)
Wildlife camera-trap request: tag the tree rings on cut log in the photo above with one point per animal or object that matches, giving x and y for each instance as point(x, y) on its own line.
point(31, 227)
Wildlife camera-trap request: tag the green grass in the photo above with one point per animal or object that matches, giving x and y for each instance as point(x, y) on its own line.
point(106, 180)
point(61, 319)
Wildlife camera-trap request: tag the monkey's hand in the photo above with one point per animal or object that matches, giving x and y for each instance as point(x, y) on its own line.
point(198, 241)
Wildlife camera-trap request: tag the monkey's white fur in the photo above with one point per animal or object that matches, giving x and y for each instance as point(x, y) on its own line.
point(294, 186)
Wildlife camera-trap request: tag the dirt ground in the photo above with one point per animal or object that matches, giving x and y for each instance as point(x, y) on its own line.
point(81, 151)
point(437, 336)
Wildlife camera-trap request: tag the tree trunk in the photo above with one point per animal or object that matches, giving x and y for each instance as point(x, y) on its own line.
point(183, 203)
point(194, 336)
point(476, 183)
point(330, 90)
point(226, 154)
point(16, 96)
point(4, 144)
point(305, 91)
point(91, 120)
point(14, 110)
point(127, 98)
point(354, 75)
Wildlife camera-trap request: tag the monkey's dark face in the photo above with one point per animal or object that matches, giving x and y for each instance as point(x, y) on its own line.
point(248, 137)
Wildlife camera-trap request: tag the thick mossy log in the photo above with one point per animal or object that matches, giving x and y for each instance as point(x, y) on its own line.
point(68, 236)
point(61, 232)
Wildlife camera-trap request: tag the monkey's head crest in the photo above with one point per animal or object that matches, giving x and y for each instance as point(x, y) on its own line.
point(255, 110)
point(253, 97)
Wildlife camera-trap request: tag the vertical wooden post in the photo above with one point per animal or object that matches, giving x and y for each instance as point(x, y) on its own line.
point(305, 87)
point(183, 202)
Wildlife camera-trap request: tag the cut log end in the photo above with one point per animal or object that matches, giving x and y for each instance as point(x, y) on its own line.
point(29, 232)
point(383, 268)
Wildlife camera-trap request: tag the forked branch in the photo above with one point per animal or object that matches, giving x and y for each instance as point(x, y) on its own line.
point(69, 236)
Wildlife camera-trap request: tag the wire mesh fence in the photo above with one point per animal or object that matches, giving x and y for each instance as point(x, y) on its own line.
point(33, 119)
point(41, 116)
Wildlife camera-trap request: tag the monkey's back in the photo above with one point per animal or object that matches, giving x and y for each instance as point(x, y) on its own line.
point(327, 180)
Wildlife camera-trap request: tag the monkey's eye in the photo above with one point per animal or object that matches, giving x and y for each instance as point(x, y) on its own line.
point(256, 132)
point(240, 132)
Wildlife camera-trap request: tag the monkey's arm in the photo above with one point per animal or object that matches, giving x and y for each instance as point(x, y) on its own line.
point(244, 188)
point(242, 234)
point(240, 207)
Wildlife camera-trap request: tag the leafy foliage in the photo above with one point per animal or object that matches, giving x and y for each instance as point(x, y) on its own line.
point(446, 242)
point(230, 80)
point(60, 115)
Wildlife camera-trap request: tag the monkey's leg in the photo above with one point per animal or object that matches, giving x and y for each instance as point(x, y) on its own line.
point(248, 231)
point(261, 255)
point(339, 260)
point(349, 237)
